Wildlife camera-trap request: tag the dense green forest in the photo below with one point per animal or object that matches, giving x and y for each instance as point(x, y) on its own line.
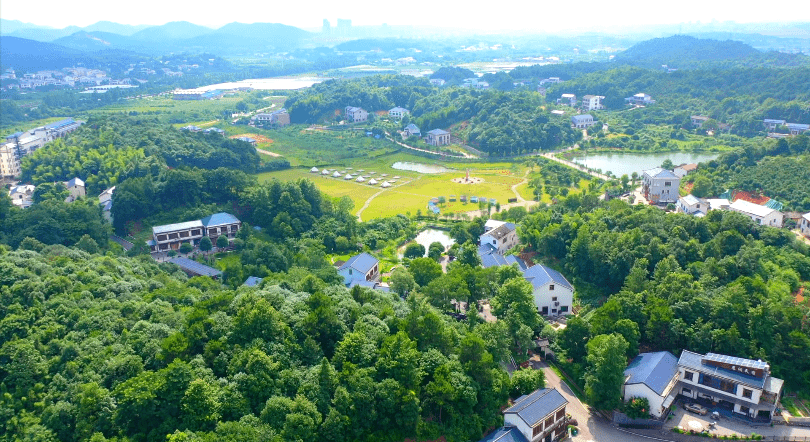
point(100, 347)
point(107, 149)
point(719, 283)
point(499, 123)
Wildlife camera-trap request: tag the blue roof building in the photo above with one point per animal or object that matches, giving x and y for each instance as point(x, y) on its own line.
point(653, 376)
point(363, 267)
point(194, 268)
point(536, 416)
point(252, 281)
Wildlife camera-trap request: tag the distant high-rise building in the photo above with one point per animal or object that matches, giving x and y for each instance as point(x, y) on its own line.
point(327, 28)
point(344, 26)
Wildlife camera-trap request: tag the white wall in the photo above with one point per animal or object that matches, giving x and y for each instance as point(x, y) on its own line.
point(641, 390)
point(543, 297)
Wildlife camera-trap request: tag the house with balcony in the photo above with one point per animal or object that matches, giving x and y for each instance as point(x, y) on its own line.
point(411, 130)
point(536, 417)
point(698, 120)
point(660, 186)
point(567, 100)
point(653, 376)
point(797, 128)
point(355, 114)
point(592, 102)
point(221, 224)
point(582, 121)
point(742, 387)
point(640, 99)
point(362, 267)
point(170, 236)
point(501, 238)
point(278, 118)
point(438, 137)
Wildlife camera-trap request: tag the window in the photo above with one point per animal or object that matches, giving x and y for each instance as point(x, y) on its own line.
point(744, 409)
point(688, 375)
point(563, 308)
point(667, 183)
point(537, 430)
point(686, 392)
point(551, 287)
point(747, 393)
point(553, 298)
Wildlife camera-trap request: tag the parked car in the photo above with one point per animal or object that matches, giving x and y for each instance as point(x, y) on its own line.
point(696, 408)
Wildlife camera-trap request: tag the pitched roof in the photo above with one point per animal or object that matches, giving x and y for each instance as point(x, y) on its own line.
point(512, 259)
point(412, 128)
point(534, 407)
point(806, 216)
point(493, 260)
point(500, 231)
point(582, 118)
point(690, 199)
point(505, 434)
point(219, 219)
point(439, 132)
point(74, 182)
point(654, 370)
point(660, 173)
point(192, 266)
point(176, 226)
point(751, 208)
point(540, 275)
point(362, 262)
point(399, 109)
point(252, 281)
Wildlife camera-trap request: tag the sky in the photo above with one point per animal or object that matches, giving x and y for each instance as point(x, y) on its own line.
point(518, 15)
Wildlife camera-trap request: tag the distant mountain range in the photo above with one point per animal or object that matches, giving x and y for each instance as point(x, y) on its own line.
point(171, 37)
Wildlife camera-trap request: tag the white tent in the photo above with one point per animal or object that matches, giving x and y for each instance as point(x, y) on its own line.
point(385, 184)
point(336, 174)
point(314, 170)
point(348, 176)
point(360, 179)
point(372, 181)
point(324, 172)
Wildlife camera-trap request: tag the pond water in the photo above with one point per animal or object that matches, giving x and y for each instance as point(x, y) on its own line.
point(428, 236)
point(419, 167)
point(621, 163)
point(267, 84)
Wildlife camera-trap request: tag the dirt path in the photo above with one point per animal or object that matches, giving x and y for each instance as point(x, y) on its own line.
point(523, 181)
point(550, 156)
point(267, 152)
point(371, 198)
point(462, 154)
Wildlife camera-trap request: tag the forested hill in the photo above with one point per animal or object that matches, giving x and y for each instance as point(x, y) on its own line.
point(685, 52)
point(106, 149)
point(25, 54)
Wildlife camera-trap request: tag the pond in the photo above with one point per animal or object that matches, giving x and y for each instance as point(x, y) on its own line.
point(419, 167)
point(428, 236)
point(621, 163)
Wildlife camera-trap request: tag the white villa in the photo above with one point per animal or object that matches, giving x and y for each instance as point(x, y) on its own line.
point(761, 214)
point(660, 185)
point(804, 225)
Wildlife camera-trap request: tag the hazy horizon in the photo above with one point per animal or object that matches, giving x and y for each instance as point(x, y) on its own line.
point(590, 16)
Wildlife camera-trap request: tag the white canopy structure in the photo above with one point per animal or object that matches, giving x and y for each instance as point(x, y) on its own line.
point(348, 176)
point(372, 181)
point(314, 170)
point(385, 184)
point(324, 172)
point(336, 174)
point(360, 179)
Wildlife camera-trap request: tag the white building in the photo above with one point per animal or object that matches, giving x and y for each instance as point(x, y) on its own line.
point(742, 386)
point(804, 225)
point(501, 238)
point(660, 186)
point(691, 205)
point(438, 137)
point(22, 196)
point(76, 189)
point(685, 169)
point(592, 102)
point(553, 294)
point(398, 113)
point(760, 214)
point(640, 99)
point(539, 416)
point(582, 121)
point(411, 130)
point(653, 376)
point(9, 163)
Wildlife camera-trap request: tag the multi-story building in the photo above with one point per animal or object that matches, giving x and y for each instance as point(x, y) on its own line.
point(568, 100)
point(501, 238)
point(398, 113)
point(221, 224)
point(356, 114)
point(804, 225)
point(582, 121)
point(653, 376)
point(438, 137)
point(362, 267)
point(741, 386)
point(660, 186)
point(771, 124)
point(592, 102)
point(535, 417)
point(9, 163)
point(76, 189)
point(170, 236)
point(277, 118)
point(640, 99)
